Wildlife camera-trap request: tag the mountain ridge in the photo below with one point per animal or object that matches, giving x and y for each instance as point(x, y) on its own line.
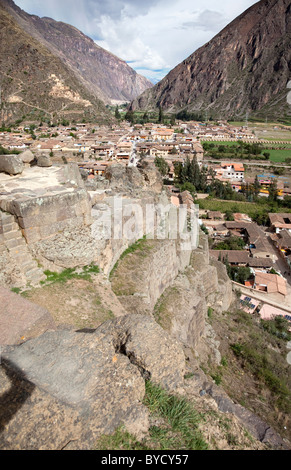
point(95, 75)
point(243, 69)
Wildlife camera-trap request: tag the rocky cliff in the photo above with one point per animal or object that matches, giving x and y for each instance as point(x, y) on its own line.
point(98, 74)
point(64, 384)
point(245, 68)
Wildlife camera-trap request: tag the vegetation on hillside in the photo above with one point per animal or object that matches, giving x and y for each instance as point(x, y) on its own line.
point(254, 370)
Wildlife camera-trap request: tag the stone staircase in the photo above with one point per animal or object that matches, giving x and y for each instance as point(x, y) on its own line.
point(13, 242)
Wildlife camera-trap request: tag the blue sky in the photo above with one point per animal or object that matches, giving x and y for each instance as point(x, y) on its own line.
point(153, 36)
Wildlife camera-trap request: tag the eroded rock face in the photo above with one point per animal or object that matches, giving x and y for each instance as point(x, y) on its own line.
point(75, 385)
point(133, 179)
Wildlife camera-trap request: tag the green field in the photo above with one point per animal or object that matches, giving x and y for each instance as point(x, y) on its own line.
point(252, 209)
point(278, 152)
point(279, 155)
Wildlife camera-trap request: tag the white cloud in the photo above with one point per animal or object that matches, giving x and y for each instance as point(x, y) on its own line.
point(153, 35)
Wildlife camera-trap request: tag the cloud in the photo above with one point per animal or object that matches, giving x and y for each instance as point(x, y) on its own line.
point(206, 21)
point(153, 35)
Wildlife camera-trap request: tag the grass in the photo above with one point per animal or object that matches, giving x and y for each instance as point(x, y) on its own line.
point(261, 364)
point(278, 152)
point(253, 369)
point(70, 273)
point(179, 414)
point(139, 245)
point(252, 209)
point(120, 440)
point(279, 155)
point(179, 428)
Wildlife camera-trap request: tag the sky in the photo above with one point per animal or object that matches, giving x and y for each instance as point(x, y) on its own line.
point(152, 36)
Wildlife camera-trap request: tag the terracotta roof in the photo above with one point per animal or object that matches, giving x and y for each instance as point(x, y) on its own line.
point(273, 282)
point(241, 257)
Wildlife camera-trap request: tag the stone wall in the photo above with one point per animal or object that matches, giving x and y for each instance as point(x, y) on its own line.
point(42, 217)
point(142, 277)
point(183, 307)
point(17, 265)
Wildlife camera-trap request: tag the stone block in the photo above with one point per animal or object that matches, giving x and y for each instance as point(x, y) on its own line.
point(42, 205)
point(9, 227)
point(14, 243)
point(6, 218)
point(11, 164)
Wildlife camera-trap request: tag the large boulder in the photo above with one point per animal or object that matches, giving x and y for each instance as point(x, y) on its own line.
point(66, 388)
point(11, 164)
point(44, 161)
point(27, 156)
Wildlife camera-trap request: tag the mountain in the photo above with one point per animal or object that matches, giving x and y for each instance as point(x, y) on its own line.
point(243, 69)
point(53, 68)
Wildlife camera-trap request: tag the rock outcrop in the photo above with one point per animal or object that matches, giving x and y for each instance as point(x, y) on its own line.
point(182, 308)
point(72, 386)
point(63, 387)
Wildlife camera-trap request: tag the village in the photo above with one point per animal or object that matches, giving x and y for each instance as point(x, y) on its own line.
point(265, 251)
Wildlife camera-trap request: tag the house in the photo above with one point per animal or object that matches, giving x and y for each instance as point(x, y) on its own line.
point(198, 151)
point(241, 258)
point(248, 304)
point(163, 134)
point(233, 171)
point(270, 283)
point(122, 156)
point(160, 150)
point(282, 241)
point(268, 312)
point(97, 168)
point(280, 221)
point(256, 238)
point(214, 215)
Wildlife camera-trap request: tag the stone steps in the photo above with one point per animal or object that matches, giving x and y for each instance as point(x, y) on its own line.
point(12, 240)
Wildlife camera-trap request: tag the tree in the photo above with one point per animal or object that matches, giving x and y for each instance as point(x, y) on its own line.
point(189, 187)
point(243, 274)
point(194, 173)
point(256, 187)
point(161, 115)
point(273, 191)
point(173, 120)
point(129, 116)
point(117, 113)
point(229, 215)
point(162, 165)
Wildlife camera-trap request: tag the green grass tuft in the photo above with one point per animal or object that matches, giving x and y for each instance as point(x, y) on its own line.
point(71, 273)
